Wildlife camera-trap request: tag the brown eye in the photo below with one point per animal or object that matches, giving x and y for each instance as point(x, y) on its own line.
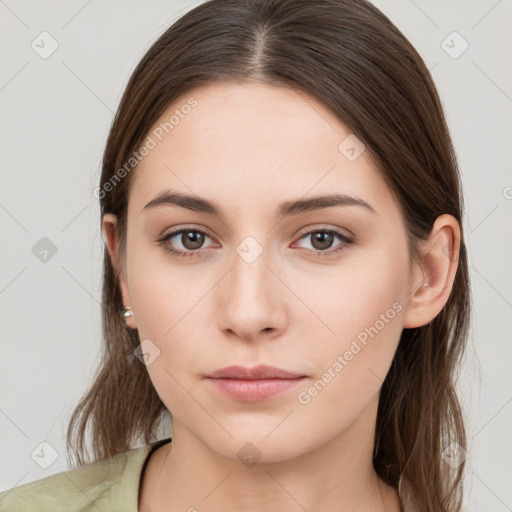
point(322, 240)
point(190, 240)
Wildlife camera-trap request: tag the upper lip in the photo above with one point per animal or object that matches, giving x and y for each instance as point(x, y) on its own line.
point(256, 373)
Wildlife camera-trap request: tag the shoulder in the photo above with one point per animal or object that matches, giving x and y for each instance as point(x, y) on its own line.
point(103, 485)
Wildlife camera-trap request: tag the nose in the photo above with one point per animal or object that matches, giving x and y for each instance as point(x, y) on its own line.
point(251, 298)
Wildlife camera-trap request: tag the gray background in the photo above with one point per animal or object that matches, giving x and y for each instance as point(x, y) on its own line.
point(56, 112)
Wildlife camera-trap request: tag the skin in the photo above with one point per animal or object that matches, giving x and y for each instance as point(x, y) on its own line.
point(248, 148)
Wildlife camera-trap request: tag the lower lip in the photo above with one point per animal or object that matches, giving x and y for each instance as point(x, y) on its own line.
point(254, 390)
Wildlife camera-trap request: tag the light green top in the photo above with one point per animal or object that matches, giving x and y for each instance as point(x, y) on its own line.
point(108, 485)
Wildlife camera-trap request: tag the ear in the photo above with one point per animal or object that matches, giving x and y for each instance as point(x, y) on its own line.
point(109, 223)
point(432, 281)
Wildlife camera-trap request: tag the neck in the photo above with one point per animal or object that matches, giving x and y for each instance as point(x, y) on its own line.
point(188, 475)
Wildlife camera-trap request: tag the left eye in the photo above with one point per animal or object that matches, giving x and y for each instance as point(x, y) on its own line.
point(193, 239)
point(322, 240)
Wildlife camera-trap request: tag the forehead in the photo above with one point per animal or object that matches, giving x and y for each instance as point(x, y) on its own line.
point(252, 143)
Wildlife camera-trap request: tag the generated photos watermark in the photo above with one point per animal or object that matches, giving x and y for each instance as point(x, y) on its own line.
point(356, 346)
point(151, 142)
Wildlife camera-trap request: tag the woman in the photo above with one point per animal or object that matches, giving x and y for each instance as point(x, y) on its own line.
point(285, 273)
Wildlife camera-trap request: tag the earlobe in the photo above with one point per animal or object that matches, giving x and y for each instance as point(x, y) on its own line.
point(109, 224)
point(433, 279)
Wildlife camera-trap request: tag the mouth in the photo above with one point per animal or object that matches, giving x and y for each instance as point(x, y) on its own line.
point(253, 384)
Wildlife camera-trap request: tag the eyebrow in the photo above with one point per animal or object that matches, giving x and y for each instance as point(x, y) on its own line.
point(285, 209)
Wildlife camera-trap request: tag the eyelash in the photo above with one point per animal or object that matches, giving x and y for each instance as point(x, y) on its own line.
point(187, 254)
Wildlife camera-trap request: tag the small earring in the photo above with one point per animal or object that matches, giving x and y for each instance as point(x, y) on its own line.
point(127, 312)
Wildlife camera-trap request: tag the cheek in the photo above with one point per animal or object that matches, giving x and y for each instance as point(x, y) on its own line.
point(170, 316)
point(358, 313)
point(161, 293)
point(348, 299)
point(169, 303)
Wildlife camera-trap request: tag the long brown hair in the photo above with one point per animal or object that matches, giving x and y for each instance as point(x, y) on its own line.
point(351, 57)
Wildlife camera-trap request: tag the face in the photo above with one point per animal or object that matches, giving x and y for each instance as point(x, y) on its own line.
point(317, 291)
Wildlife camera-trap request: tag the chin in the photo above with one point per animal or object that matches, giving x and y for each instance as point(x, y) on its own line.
point(261, 442)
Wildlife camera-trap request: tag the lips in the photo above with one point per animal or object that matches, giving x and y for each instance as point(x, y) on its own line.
point(260, 372)
point(253, 384)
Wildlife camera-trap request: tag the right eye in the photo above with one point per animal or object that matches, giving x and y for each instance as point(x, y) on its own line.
point(191, 240)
